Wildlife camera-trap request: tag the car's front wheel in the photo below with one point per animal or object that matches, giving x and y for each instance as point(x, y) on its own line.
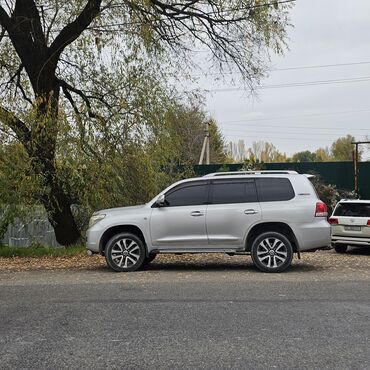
point(125, 252)
point(272, 252)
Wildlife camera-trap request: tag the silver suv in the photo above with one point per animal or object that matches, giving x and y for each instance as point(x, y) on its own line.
point(269, 214)
point(350, 224)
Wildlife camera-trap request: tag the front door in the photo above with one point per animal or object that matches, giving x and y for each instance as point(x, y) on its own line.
point(181, 223)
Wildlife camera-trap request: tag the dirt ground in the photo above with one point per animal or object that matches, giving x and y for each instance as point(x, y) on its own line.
point(355, 263)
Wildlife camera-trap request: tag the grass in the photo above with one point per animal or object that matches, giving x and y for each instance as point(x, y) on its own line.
point(39, 251)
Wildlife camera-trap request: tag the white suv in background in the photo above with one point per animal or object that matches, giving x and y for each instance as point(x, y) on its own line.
point(269, 214)
point(350, 224)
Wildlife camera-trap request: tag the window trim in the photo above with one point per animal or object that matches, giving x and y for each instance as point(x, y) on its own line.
point(187, 185)
point(231, 181)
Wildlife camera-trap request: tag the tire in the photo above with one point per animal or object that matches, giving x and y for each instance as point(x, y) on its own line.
point(272, 252)
point(341, 248)
point(149, 259)
point(125, 252)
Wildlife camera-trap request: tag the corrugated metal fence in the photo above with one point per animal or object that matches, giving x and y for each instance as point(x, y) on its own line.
point(33, 229)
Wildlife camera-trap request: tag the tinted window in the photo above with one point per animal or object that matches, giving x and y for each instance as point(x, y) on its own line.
point(188, 195)
point(353, 210)
point(274, 189)
point(224, 192)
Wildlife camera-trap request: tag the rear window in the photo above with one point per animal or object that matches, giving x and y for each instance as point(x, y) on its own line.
point(352, 210)
point(274, 189)
point(226, 192)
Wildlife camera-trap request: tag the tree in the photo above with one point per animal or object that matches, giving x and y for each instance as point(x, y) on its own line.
point(265, 152)
point(305, 156)
point(342, 149)
point(185, 132)
point(57, 52)
point(323, 155)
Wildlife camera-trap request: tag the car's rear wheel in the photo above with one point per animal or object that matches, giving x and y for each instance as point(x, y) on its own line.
point(125, 252)
point(272, 252)
point(341, 248)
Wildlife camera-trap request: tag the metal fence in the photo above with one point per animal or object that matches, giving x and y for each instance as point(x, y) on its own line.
point(31, 230)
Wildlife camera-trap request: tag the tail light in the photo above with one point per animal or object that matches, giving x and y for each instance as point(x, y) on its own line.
point(321, 210)
point(333, 221)
point(368, 222)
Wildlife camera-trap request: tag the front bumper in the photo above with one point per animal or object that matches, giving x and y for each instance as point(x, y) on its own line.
point(93, 239)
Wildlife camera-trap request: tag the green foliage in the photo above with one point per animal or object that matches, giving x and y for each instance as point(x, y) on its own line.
point(252, 165)
point(329, 193)
point(84, 90)
point(305, 156)
point(342, 149)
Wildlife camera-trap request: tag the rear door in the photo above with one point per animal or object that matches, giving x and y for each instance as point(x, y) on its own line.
point(276, 196)
point(232, 210)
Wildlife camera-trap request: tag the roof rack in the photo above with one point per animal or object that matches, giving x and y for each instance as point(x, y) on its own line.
point(257, 172)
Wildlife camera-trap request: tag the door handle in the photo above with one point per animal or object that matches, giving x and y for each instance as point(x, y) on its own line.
point(197, 213)
point(250, 211)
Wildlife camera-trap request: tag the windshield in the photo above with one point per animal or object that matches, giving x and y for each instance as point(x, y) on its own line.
point(353, 210)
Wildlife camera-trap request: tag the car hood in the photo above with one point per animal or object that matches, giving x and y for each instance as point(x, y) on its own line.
point(122, 210)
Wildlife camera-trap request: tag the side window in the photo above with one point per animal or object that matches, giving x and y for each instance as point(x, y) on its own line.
point(274, 189)
point(224, 192)
point(187, 195)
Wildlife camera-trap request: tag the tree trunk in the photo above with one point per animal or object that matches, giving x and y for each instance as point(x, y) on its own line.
point(58, 208)
point(54, 198)
point(42, 150)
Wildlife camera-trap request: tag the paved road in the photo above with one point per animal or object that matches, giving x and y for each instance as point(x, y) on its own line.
point(195, 318)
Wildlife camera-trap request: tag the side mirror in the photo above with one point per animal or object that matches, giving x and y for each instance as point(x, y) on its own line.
point(161, 201)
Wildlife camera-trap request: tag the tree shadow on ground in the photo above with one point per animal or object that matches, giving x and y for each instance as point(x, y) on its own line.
point(222, 266)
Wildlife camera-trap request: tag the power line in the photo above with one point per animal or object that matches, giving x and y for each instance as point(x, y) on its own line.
point(288, 132)
point(321, 66)
point(263, 137)
point(247, 120)
point(273, 3)
point(315, 66)
point(297, 84)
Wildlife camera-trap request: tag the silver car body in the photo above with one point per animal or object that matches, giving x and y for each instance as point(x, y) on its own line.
point(216, 227)
point(351, 229)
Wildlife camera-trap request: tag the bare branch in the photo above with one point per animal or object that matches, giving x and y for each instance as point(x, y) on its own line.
point(18, 126)
point(4, 19)
point(66, 87)
point(74, 29)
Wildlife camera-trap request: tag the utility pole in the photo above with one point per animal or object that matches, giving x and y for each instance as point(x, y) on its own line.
point(355, 162)
point(205, 147)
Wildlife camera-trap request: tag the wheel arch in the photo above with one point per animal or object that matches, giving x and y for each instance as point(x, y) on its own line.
point(114, 230)
point(280, 227)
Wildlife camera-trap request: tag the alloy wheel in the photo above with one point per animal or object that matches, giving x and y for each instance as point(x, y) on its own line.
point(272, 252)
point(125, 253)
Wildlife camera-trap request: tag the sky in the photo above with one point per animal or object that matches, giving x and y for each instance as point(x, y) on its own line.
point(324, 32)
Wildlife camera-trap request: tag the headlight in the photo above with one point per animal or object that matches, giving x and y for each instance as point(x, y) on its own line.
point(96, 218)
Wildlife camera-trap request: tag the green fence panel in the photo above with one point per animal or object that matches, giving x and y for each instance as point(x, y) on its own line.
point(364, 179)
point(340, 174)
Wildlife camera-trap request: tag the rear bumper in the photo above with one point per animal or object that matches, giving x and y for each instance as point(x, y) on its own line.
point(349, 240)
point(313, 235)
